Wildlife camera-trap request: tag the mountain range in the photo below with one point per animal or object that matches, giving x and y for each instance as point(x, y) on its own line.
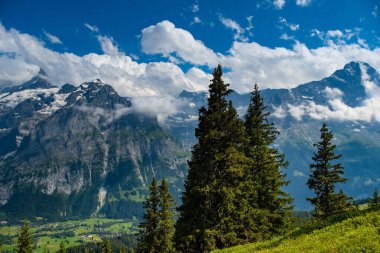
point(81, 150)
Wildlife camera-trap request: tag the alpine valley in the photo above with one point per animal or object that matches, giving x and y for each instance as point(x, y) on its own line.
point(79, 151)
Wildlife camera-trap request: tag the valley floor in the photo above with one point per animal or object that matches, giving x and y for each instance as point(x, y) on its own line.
point(47, 237)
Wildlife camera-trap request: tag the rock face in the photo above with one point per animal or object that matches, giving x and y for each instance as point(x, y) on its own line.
point(299, 112)
point(76, 151)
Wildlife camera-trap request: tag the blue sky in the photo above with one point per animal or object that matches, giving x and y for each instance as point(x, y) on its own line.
point(270, 41)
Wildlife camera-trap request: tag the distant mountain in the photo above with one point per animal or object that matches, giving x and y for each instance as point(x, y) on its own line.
point(298, 114)
point(78, 151)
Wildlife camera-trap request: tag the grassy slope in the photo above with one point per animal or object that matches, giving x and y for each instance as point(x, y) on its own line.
point(88, 230)
point(359, 234)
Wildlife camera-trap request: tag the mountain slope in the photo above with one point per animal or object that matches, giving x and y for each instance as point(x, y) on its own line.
point(346, 100)
point(78, 151)
point(359, 234)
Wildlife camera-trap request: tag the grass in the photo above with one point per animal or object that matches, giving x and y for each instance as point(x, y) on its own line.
point(48, 236)
point(357, 234)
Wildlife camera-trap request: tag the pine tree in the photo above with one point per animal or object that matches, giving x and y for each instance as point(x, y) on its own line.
point(106, 246)
point(148, 228)
point(166, 221)
point(122, 249)
point(209, 216)
point(375, 201)
point(324, 176)
point(272, 204)
point(131, 250)
point(25, 239)
point(62, 248)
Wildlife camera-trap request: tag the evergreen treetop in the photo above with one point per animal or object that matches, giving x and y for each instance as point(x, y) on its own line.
point(148, 228)
point(166, 219)
point(325, 174)
point(270, 202)
point(208, 214)
point(25, 240)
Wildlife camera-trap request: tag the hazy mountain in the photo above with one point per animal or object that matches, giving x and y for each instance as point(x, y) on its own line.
point(75, 151)
point(346, 100)
point(81, 150)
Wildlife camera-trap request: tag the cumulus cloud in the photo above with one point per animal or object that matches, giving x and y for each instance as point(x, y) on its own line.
point(196, 20)
point(336, 109)
point(24, 54)
point(303, 3)
point(279, 4)
point(92, 28)
point(52, 38)
point(166, 39)
point(108, 45)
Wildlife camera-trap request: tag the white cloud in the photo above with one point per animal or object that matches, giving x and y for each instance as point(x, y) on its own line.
point(196, 20)
point(333, 93)
point(284, 22)
point(298, 173)
point(108, 45)
point(53, 39)
point(374, 12)
point(303, 3)
point(336, 109)
point(279, 4)
point(234, 26)
point(24, 54)
point(195, 8)
point(92, 28)
point(164, 38)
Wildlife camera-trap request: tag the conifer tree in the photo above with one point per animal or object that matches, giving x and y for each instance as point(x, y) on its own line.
point(375, 201)
point(325, 174)
point(25, 239)
point(166, 221)
point(122, 249)
point(106, 246)
point(209, 216)
point(62, 248)
point(131, 250)
point(148, 228)
point(271, 202)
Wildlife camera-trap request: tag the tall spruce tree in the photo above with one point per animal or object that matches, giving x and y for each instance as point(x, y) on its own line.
point(62, 248)
point(325, 174)
point(25, 240)
point(166, 219)
point(270, 202)
point(375, 201)
point(209, 216)
point(106, 246)
point(148, 228)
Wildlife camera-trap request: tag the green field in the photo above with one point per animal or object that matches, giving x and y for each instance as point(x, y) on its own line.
point(358, 234)
point(47, 237)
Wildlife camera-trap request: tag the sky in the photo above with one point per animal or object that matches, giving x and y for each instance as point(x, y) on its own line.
point(158, 48)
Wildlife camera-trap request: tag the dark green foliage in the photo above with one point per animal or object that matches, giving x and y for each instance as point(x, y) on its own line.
point(166, 221)
point(106, 247)
point(209, 217)
point(126, 240)
point(62, 248)
point(324, 176)
point(25, 240)
point(272, 205)
point(123, 249)
point(375, 201)
point(148, 237)
point(157, 228)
